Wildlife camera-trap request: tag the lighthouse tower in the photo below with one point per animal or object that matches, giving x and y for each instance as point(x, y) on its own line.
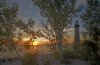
point(77, 37)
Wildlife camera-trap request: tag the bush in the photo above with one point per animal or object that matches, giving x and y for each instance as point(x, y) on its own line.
point(47, 62)
point(30, 59)
point(69, 54)
point(89, 52)
point(57, 55)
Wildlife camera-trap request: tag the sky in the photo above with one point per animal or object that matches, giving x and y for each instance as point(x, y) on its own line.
point(27, 10)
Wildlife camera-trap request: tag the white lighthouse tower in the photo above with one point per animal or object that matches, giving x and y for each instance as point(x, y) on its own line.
point(77, 37)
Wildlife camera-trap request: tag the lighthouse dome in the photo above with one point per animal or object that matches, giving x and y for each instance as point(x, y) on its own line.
point(77, 25)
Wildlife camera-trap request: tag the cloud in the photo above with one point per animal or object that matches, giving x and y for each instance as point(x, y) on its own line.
point(68, 30)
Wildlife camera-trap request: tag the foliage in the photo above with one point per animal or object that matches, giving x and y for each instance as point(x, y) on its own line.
point(7, 24)
point(47, 62)
point(69, 54)
point(58, 14)
point(25, 26)
point(57, 55)
point(91, 19)
point(89, 52)
point(30, 59)
point(57, 11)
point(27, 45)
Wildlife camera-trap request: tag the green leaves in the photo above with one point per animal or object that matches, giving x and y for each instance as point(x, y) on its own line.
point(7, 21)
point(91, 19)
point(30, 23)
point(56, 11)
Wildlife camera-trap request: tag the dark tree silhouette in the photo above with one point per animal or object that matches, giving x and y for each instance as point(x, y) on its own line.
point(58, 13)
point(91, 19)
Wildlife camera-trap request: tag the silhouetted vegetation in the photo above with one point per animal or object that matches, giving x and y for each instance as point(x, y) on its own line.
point(58, 13)
point(91, 20)
point(30, 59)
point(89, 52)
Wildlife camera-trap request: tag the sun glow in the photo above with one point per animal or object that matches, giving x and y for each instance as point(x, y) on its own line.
point(38, 41)
point(35, 43)
point(26, 39)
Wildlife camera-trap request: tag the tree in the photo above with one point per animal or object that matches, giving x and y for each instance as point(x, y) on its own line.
point(8, 17)
point(9, 23)
point(91, 19)
point(58, 13)
point(27, 28)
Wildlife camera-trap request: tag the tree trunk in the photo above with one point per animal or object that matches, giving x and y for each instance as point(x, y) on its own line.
point(59, 40)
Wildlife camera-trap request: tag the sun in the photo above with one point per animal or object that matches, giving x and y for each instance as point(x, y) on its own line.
point(41, 41)
point(26, 39)
point(38, 41)
point(35, 43)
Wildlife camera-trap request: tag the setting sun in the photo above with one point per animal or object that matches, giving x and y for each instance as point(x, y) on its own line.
point(38, 41)
point(35, 43)
point(26, 39)
point(41, 41)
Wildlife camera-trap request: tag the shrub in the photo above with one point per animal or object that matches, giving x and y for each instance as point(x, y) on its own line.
point(69, 54)
point(57, 55)
point(89, 52)
point(30, 59)
point(47, 62)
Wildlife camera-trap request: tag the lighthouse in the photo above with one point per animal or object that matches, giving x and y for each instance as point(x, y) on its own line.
point(77, 37)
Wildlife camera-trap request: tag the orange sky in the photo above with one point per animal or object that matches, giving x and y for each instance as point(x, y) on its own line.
point(70, 40)
point(42, 41)
point(38, 41)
